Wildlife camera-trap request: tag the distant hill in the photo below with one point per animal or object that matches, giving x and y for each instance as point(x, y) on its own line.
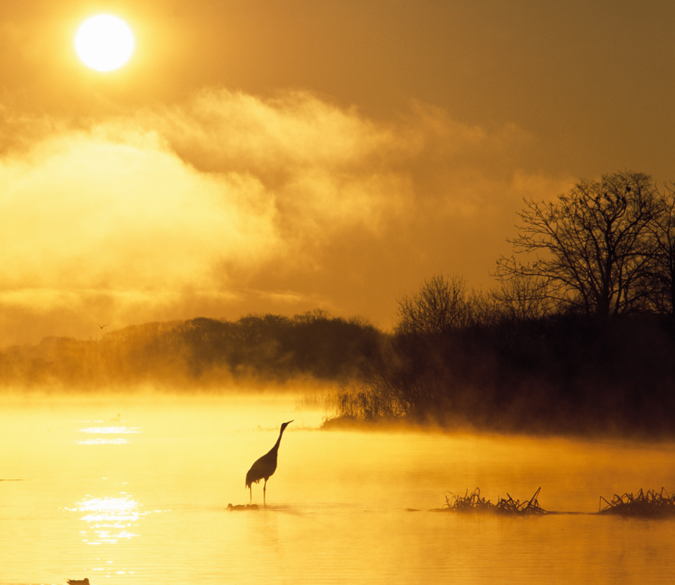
point(202, 352)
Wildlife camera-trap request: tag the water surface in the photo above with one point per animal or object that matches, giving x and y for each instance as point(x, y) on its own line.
point(127, 490)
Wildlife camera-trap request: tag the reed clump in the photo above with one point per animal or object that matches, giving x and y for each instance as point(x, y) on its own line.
point(649, 504)
point(357, 404)
point(474, 502)
point(469, 502)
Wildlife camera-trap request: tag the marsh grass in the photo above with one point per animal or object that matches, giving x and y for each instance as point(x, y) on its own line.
point(357, 403)
point(649, 504)
point(474, 502)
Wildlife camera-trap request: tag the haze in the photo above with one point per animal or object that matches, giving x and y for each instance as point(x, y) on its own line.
point(274, 158)
point(142, 498)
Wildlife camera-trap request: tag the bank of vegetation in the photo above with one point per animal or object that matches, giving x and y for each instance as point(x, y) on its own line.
point(577, 335)
point(208, 354)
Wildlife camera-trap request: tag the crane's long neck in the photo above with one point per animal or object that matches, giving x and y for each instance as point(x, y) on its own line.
point(275, 449)
point(276, 445)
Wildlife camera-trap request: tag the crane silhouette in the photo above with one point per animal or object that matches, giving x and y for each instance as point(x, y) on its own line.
point(265, 467)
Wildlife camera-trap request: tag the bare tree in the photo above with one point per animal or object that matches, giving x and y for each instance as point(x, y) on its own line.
point(439, 305)
point(521, 297)
point(593, 246)
point(661, 283)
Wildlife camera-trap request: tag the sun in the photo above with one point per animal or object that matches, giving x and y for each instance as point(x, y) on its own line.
point(104, 42)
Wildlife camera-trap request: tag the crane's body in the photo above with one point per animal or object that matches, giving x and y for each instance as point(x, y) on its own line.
point(265, 467)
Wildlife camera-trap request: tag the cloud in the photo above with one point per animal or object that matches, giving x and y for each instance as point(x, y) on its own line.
point(82, 210)
point(325, 167)
point(231, 200)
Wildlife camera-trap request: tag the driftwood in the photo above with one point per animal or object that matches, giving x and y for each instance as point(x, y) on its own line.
point(474, 502)
point(649, 504)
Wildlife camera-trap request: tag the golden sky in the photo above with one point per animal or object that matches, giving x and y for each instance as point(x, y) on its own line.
point(267, 156)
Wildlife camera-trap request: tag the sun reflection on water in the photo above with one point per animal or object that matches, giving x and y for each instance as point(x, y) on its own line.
point(108, 430)
point(111, 518)
point(111, 430)
point(103, 442)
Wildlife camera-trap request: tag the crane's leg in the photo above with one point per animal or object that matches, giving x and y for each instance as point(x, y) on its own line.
point(264, 490)
point(250, 491)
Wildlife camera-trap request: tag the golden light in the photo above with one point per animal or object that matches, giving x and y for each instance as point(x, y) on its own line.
point(104, 42)
point(110, 430)
point(110, 518)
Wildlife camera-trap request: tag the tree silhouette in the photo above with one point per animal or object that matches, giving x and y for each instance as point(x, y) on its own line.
point(594, 248)
point(438, 306)
point(661, 283)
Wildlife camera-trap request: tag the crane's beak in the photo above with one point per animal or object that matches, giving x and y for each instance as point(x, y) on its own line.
point(289, 422)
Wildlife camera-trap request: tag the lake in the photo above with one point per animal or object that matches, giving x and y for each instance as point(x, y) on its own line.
point(126, 490)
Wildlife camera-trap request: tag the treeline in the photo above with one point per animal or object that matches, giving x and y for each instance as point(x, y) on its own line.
point(561, 373)
point(578, 338)
point(206, 353)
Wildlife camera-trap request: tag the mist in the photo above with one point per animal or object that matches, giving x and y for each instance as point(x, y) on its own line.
point(231, 203)
point(245, 225)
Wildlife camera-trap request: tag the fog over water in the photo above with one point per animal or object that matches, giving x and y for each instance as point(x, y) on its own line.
point(270, 202)
point(125, 490)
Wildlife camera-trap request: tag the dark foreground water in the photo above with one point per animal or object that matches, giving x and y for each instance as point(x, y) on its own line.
point(142, 498)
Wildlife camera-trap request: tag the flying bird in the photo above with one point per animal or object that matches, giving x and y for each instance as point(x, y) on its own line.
point(265, 467)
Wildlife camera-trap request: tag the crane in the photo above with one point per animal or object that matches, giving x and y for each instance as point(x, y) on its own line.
point(264, 467)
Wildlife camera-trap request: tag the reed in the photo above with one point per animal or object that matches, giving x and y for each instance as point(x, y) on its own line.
point(649, 504)
point(354, 402)
point(474, 502)
point(469, 502)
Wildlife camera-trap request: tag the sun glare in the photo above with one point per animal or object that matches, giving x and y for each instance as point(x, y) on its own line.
point(104, 42)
